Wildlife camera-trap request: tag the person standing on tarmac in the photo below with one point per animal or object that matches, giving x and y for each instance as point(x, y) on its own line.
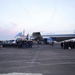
point(62, 43)
point(52, 43)
point(37, 43)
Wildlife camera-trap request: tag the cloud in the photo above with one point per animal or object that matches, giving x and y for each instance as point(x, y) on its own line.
point(7, 25)
point(7, 30)
point(12, 24)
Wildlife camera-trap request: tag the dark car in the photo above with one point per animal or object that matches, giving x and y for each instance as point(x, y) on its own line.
point(1, 43)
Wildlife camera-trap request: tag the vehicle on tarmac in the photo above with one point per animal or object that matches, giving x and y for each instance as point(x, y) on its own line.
point(1, 43)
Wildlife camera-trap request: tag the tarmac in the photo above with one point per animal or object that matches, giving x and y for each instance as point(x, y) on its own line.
point(38, 60)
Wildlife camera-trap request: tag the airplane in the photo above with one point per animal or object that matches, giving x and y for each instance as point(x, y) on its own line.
point(54, 37)
point(48, 37)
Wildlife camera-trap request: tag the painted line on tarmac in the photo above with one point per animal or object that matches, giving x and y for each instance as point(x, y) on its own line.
point(40, 65)
point(55, 58)
point(55, 64)
point(34, 62)
point(22, 74)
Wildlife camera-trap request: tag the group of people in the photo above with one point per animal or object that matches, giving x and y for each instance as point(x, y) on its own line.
point(24, 44)
point(68, 45)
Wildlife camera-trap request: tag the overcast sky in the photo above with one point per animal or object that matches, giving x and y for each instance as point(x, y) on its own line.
point(47, 16)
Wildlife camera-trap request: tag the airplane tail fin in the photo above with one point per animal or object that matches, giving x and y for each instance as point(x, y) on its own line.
point(19, 35)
